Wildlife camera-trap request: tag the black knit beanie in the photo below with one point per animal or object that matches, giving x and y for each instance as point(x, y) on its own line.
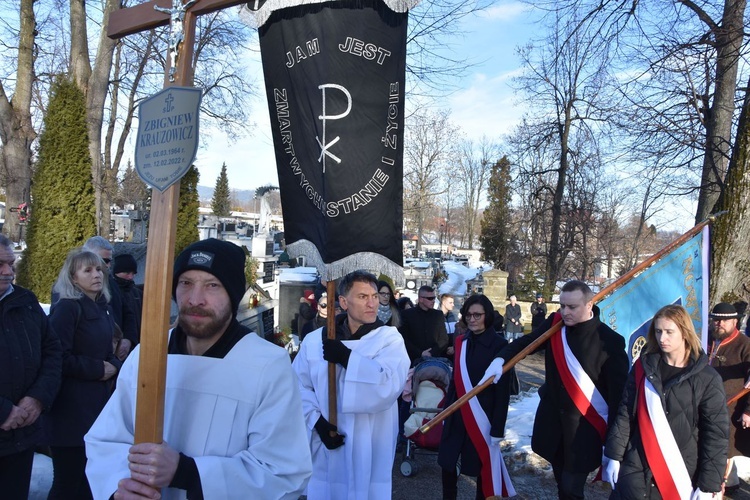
point(224, 260)
point(125, 263)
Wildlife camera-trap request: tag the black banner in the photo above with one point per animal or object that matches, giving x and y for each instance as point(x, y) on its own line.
point(334, 75)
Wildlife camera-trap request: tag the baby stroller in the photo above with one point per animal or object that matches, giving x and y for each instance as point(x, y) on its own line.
point(429, 383)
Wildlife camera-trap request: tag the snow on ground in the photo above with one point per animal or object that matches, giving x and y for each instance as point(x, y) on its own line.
point(298, 275)
point(457, 276)
point(520, 423)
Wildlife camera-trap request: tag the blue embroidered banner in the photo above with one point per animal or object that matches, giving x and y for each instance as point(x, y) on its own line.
point(681, 277)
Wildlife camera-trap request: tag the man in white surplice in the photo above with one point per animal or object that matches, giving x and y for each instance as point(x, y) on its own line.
point(233, 425)
point(353, 460)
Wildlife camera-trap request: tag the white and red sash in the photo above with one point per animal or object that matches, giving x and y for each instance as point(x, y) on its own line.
point(495, 477)
point(579, 385)
point(671, 476)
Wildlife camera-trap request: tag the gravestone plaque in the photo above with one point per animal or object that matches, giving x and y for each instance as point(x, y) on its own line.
point(167, 138)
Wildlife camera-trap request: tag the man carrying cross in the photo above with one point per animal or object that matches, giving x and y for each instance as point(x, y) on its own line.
point(233, 424)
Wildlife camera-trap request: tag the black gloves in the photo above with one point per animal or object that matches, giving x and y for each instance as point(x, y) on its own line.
point(325, 429)
point(334, 351)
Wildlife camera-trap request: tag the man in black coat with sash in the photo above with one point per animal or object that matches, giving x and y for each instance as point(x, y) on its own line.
point(561, 434)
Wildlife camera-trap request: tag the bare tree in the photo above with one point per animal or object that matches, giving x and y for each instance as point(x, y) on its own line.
point(678, 64)
point(475, 163)
point(566, 77)
point(683, 93)
point(225, 87)
point(428, 152)
point(432, 66)
point(731, 237)
point(16, 128)
point(94, 82)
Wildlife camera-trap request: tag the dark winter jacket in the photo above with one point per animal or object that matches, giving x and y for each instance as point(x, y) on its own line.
point(696, 408)
point(123, 315)
point(30, 364)
point(538, 313)
point(132, 300)
point(480, 351)
point(85, 330)
point(732, 362)
point(317, 322)
point(121, 312)
point(559, 428)
point(423, 330)
point(513, 318)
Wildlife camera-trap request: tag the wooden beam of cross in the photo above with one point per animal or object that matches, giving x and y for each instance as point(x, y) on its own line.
point(152, 371)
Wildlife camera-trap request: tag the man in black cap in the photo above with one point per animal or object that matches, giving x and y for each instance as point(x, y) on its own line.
point(124, 269)
point(538, 311)
point(730, 356)
point(233, 425)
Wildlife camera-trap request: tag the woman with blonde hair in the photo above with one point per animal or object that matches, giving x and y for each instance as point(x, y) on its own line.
point(82, 318)
point(670, 436)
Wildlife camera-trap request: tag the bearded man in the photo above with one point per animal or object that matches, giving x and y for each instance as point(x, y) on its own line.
point(730, 356)
point(233, 426)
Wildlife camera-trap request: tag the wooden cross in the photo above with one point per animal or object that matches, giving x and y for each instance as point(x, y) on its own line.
point(152, 371)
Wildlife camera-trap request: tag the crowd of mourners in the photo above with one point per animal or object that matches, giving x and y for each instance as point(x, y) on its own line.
point(241, 421)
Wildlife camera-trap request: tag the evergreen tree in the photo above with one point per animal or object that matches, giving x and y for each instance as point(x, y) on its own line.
point(187, 212)
point(62, 193)
point(133, 191)
point(495, 225)
point(221, 204)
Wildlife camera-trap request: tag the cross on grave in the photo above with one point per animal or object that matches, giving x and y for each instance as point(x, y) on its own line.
point(149, 421)
point(168, 100)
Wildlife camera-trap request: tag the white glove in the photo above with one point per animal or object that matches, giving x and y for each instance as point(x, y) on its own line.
point(611, 471)
point(494, 370)
point(495, 441)
point(700, 495)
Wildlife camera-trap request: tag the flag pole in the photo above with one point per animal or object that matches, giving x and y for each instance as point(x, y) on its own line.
point(331, 334)
point(738, 396)
point(557, 326)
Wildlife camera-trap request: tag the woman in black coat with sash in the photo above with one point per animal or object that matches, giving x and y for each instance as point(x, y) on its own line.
point(481, 345)
point(689, 415)
point(82, 318)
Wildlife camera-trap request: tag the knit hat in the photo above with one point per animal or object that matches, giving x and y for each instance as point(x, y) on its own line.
point(125, 263)
point(724, 310)
point(224, 260)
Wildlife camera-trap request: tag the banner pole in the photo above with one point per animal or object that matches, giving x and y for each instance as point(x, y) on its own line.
point(738, 395)
point(557, 326)
point(331, 334)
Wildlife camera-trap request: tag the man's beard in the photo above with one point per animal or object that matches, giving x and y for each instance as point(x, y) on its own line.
point(720, 333)
point(203, 330)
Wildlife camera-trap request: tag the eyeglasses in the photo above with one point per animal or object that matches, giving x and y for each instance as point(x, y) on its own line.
point(428, 298)
point(106, 261)
point(322, 305)
point(385, 294)
point(474, 315)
